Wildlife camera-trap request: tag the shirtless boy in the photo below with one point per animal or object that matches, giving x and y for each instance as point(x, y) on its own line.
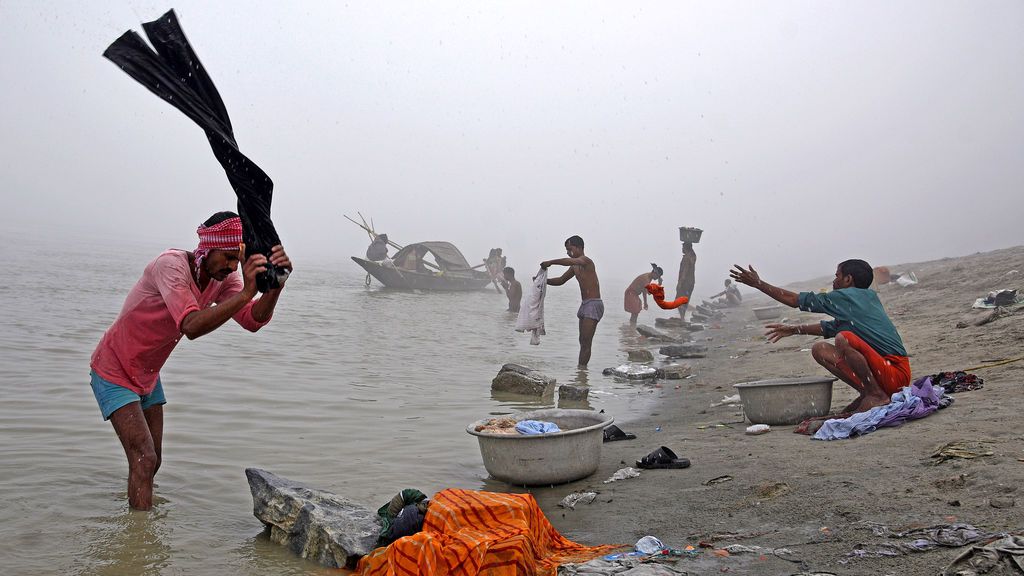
point(592, 309)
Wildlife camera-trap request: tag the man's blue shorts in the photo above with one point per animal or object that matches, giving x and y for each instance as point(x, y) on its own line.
point(110, 396)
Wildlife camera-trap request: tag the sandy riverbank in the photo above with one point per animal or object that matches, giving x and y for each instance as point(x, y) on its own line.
point(815, 497)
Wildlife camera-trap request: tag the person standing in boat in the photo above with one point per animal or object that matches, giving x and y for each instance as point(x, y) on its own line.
point(591, 309)
point(378, 249)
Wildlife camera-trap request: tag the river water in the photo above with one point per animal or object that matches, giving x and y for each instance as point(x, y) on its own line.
point(360, 391)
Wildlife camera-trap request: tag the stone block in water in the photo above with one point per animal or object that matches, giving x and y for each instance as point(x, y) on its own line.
point(676, 371)
point(640, 355)
point(684, 351)
point(632, 372)
point(672, 322)
point(655, 334)
point(314, 524)
point(517, 379)
point(573, 392)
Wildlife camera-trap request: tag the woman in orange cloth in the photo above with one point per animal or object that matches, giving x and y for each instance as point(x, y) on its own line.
point(636, 290)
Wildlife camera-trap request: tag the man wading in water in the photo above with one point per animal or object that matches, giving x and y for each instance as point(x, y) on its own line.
point(174, 297)
point(592, 308)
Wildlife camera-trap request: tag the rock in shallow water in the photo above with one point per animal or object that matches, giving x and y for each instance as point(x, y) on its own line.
point(632, 371)
point(573, 392)
point(314, 524)
point(684, 351)
point(676, 371)
point(516, 379)
point(640, 355)
point(655, 334)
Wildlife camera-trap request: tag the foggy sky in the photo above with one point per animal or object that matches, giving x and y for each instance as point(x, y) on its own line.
point(796, 134)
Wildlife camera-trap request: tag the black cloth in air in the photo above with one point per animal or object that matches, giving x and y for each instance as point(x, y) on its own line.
point(174, 73)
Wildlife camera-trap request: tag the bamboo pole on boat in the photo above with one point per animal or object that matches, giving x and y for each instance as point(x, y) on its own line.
point(373, 235)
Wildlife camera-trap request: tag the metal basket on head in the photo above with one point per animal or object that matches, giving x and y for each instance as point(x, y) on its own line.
point(689, 234)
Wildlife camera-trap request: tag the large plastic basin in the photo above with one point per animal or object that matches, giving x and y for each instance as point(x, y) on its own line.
point(783, 401)
point(768, 312)
point(564, 456)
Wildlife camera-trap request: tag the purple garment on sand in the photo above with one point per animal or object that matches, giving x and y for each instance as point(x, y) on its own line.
point(923, 389)
point(912, 402)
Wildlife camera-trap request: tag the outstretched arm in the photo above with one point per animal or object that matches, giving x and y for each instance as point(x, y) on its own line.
point(563, 278)
point(564, 262)
point(777, 332)
point(751, 278)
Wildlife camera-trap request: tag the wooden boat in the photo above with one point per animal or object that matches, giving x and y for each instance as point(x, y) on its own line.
point(409, 269)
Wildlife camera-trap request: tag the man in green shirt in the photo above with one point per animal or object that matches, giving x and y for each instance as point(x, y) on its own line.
point(868, 353)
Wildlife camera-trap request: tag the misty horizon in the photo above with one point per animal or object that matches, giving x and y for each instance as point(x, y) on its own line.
point(796, 137)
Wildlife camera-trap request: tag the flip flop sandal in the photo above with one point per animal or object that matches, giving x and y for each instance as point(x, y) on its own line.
point(662, 458)
point(613, 433)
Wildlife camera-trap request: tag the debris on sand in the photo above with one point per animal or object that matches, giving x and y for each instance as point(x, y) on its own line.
point(575, 498)
point(769, 490)
point(966, 449)
point(623, 474)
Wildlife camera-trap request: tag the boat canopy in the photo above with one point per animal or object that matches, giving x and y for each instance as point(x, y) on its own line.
point(447, 255)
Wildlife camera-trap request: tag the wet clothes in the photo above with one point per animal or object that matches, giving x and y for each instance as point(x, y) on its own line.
point(631, 302)
point(531, 309)
point(592, 308)
point(395, 518)
point(112, 397)
point(135, 347)
point(536, 427)
point(658, 292)
point(859, 311)
point(892, 372)
point(173, 72)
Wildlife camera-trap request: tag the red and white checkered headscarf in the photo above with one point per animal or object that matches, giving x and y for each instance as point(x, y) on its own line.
point(224, 235)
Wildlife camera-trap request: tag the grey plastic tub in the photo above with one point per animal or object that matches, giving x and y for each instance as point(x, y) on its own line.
point(687, 234)
point(557, 458)
point(784, 401)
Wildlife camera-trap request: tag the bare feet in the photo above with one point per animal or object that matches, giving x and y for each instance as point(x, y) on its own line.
point(869, 402)
point(853, 406)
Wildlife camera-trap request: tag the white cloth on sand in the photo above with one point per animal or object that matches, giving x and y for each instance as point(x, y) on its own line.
point(531, 309)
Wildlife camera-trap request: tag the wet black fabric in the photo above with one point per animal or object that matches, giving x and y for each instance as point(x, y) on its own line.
point(174, 73)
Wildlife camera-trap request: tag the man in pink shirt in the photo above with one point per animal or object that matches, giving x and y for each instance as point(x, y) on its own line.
point(174, 297)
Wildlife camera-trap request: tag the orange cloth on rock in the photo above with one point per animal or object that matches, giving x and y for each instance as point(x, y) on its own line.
point(467, 532)
point(658, 292)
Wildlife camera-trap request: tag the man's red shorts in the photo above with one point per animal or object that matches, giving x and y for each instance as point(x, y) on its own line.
point(892, 372)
